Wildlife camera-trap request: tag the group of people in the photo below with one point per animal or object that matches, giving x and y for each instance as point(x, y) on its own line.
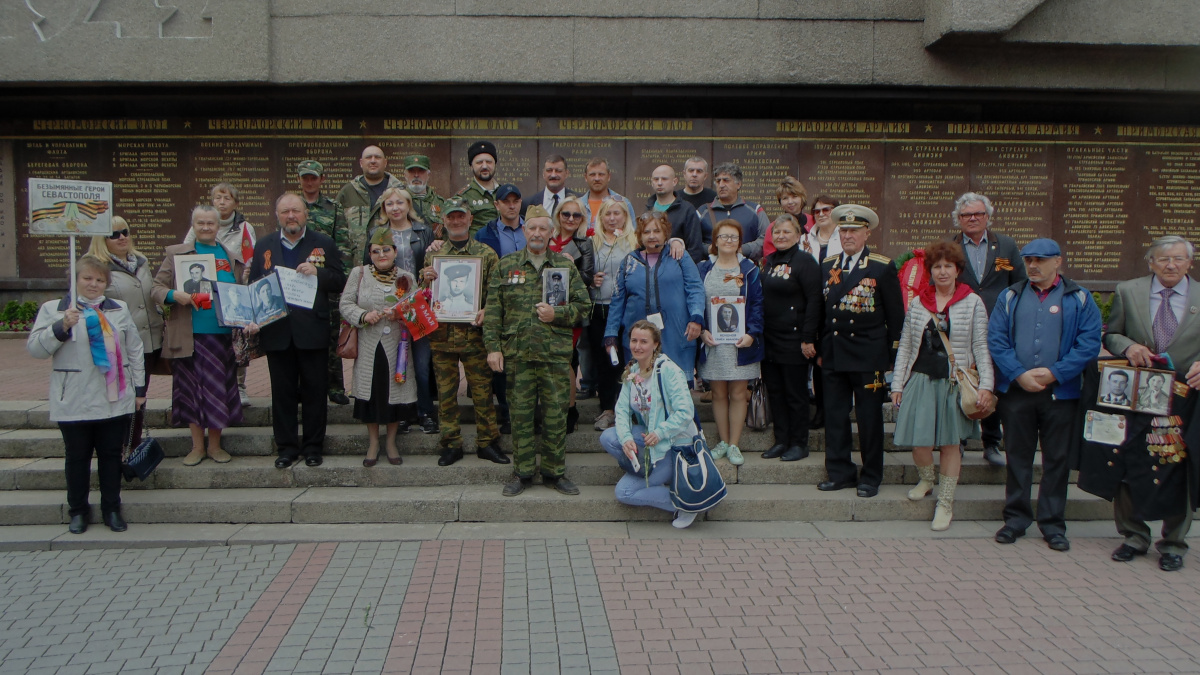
point(635, 309)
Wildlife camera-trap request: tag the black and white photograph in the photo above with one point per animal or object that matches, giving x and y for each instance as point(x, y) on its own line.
point(1154, 392)
point(727, 319)
point(456, 289)
point(261, 302)
point(1116, 387)
point(268, 301)
point(555, 283)
point(195, 273)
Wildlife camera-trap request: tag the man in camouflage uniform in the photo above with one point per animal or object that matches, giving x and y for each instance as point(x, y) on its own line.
point(480, 192)
point(428, 205)
point(533, 340)
point(360, 199)
point(455, 342)
point(325, 216)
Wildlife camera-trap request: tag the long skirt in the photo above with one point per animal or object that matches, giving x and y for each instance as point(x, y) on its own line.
point(377, 409)
point(929, 414)
point(204, 387)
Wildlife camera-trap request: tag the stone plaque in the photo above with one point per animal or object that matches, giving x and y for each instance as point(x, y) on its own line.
point(152, 190)
point(73, 158)
point(247, 163)
point(1170, 193)
point(337, 155)
point(642, 157)
point(8, 212)
point(920, 185)
point(850, 171)
point(1093, 218)
point(1018, 178)
point(764, 164)
point(516, 141)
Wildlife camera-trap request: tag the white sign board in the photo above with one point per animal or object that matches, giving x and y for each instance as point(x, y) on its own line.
point(299, 289)
point(80, 207)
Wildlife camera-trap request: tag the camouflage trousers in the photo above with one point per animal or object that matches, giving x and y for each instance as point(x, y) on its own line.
point(479, 383)
point(528, 384)
point(336, 383)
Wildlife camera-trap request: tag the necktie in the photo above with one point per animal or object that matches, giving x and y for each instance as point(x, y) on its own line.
point(846, 265)
point(1165, 322)
point(554, 204)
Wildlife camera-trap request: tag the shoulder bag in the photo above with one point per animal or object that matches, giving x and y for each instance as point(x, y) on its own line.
point(140, 460)
point(697, 484)
point(758, 412)
point(347, 344)
point(968, 385)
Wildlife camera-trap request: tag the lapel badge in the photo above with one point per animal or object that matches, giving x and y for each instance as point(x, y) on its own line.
point(1193, 309)
point(1054, 309)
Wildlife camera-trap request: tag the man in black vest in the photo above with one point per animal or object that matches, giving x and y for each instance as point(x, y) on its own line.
point(297, 346)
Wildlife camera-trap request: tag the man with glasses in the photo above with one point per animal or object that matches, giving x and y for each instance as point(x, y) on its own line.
point(993, 264)
point(1152, 315)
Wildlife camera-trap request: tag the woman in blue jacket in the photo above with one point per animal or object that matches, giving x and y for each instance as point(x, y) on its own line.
point(653, 285)
point(733, 343)
point(654, 412)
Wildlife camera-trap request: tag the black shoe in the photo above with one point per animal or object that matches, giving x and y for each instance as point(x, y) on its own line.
point(991, 452)
point(450, 456)
point(283, 462)
point(115, 522)
point(506, 428)
point(339, 398)
point(775, 452)
point(403, 426)
point(1125, 553)
point(516, 486)
point(1170, 562)
point(818, 419)
point(562, 484)
point(794, 454)
point(313, 460)
point(572, 419)
point(430, 426)
point(78, 525)
point(831, 486)
point(868, 491)
point(1008, 535)
point(585, 394)
point(493, 453)
point(1058, 542)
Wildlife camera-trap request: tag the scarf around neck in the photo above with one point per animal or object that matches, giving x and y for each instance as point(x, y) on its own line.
point(929, 296)
point(105, 347)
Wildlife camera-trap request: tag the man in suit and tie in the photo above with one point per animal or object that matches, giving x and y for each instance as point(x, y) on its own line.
point(993, 264)
point(1151, 315)
point(864, 314)
point(555, 174)
point(297, 346)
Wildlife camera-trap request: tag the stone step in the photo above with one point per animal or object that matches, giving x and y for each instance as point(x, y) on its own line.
point(484, 503)
point(351, 439)
point(423, 471)
point(36, 414)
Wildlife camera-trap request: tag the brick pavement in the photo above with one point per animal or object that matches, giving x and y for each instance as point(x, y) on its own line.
point(730, 605)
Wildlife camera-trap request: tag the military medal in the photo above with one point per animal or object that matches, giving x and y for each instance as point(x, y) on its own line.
point(317, 257)
point(1165, 440)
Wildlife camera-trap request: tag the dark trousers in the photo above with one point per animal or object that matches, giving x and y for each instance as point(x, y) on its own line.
point(298, 377)
point(500, 389)
point(787, 394)
point(106, 438)
point(605, 376)
point(990, 430)
point(818, 389)
point(1029, 418)
point(1137, 533)
point(842, 389)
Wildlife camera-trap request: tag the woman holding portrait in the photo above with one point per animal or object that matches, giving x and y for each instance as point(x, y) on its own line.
point(945, 328)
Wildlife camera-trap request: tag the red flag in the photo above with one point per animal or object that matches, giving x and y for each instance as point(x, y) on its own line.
point(247, 245)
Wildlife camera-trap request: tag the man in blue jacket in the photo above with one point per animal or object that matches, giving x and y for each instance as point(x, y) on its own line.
point(1042, 334)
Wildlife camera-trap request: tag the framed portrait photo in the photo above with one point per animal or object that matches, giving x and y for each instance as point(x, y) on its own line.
point(727, 318)
point(1117, 387)
point(556, 286)
point(1154, 391)
point(195, 273)
point(456, 290)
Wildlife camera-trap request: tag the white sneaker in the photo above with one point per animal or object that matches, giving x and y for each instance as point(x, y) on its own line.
point(605, 420)
point(683, 519)
point(244, 397)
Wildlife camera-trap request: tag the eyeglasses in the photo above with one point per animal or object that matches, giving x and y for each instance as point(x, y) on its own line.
point(971, 216)
point(727, 237)
point(571, 215)
point(118, 234)
point(1177, 259)
point(821, 211)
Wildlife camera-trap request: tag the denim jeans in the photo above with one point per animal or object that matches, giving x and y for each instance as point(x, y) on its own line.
point(632, 489)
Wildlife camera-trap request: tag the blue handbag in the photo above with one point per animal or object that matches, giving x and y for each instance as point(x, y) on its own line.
point(697, 484)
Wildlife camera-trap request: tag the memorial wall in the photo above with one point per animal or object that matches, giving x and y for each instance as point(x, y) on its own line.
point(1101, 190)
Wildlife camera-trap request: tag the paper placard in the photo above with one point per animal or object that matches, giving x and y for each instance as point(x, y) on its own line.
point(727, 318)
point(300, 290)
point(70, 206)
point(1104, 428)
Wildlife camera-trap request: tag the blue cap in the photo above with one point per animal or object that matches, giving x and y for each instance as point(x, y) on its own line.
point(506, 190)
point(1041, 248)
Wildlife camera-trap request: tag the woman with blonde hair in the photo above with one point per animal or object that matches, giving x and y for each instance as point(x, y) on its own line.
point(410, 238)
point(132, 282)
point(571, 240)
point(615, 238)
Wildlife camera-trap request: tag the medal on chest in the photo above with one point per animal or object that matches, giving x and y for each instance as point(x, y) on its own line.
point(1165, 440)
point(860, 299)
point(782, 271)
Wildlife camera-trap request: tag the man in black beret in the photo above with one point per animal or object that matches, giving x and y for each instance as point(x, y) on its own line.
point(480, 193)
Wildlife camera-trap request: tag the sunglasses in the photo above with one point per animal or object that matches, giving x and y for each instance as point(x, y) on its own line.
point(571, 215)
point(118, 234)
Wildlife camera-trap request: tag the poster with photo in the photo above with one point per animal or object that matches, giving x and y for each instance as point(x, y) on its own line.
point(261, 302)
point(195, 273)
point(727, 318)
point(456, 290)
point(555, 286)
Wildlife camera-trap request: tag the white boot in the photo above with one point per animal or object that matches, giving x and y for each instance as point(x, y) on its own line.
point(683, 519)
point(925, 485)
point(944, 512)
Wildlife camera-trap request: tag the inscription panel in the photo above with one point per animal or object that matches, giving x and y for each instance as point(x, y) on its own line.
point(1018, 178)
point(1093, 217)
point(922, 182)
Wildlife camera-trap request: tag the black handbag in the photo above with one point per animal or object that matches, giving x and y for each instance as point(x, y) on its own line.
point(140, 460)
